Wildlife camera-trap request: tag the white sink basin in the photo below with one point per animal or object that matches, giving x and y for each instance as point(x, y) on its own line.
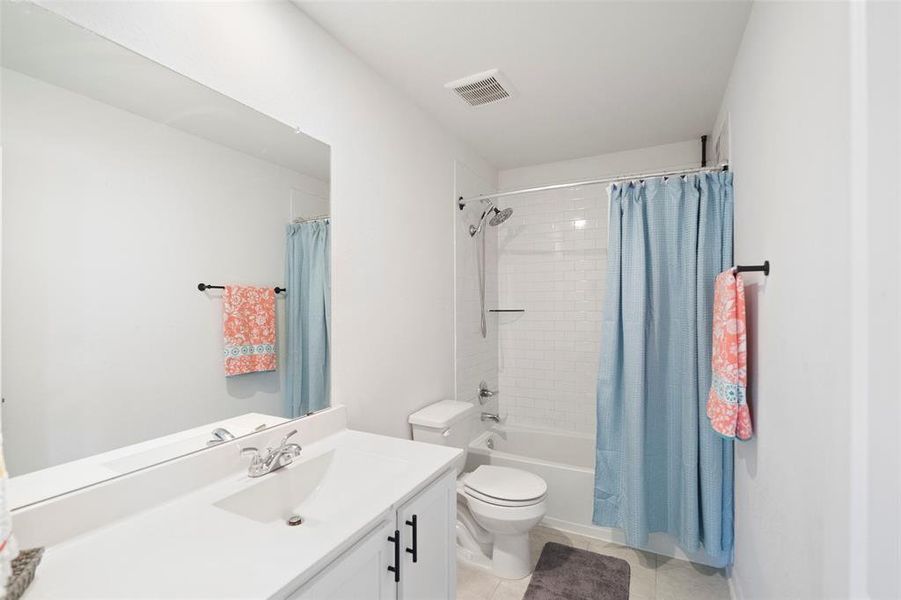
point(317, 488)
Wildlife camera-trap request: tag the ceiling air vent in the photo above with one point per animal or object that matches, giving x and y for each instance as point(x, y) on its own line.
point(482, 88)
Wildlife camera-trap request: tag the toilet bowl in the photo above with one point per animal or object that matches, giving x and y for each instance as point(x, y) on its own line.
point(497, 506)
point(507, 503)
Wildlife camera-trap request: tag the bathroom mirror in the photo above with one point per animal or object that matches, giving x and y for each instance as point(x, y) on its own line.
point(125, 185)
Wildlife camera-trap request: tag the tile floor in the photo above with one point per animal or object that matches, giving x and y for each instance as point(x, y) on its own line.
point(654, 577)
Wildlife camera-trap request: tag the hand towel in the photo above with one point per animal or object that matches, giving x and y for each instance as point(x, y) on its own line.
point(727, 406)
point(8, 549)
point(248, 318)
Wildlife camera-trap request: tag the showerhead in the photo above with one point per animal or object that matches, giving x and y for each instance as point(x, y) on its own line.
point(500, 216)
point(497, 217)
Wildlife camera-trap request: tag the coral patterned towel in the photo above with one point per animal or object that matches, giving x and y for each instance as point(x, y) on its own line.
point(248, 317)
point(727, 406)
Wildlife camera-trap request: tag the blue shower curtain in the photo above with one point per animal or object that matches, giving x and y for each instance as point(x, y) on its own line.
point(660, 467)
point(308, 307)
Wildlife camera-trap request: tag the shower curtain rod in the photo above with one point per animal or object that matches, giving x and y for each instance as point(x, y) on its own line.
point(462, 202)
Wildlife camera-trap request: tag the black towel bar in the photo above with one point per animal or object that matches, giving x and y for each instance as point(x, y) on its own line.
point(207, 286)
point(765, 267)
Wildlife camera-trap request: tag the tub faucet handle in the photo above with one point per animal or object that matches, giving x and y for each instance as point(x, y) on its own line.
point(485, 393)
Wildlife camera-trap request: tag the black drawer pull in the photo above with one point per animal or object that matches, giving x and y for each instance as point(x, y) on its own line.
point(412, 523)
point(396, 568)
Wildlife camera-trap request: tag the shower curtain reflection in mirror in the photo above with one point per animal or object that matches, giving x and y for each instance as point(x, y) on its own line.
point(308, 267)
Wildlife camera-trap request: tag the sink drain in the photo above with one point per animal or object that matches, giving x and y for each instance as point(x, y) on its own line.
point(295, 520)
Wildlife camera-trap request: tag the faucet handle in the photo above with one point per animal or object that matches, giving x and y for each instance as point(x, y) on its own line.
point(250, 450)
point(485, 393)
point(285, 439)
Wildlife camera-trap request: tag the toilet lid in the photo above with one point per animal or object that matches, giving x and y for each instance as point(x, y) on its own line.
point(504, 483)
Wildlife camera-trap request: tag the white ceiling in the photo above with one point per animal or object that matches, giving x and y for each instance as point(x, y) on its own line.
point(590, 77)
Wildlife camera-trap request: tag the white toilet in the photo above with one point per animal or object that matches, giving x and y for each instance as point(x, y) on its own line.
point(497, 506)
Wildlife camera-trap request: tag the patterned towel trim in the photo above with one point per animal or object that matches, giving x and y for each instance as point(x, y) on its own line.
point(248, 350)
point(728, 391)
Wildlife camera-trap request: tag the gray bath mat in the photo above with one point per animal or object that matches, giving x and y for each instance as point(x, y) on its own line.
point(565, 573)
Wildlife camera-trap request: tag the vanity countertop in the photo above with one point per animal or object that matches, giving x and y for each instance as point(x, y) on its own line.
point(192, 547)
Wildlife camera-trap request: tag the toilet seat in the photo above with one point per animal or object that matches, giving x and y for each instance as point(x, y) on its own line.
point(501, 502)
point(504, 486)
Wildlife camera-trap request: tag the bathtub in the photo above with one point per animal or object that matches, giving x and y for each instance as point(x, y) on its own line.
point(565, 461)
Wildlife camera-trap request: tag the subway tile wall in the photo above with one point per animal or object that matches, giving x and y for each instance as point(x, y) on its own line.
point(552, 262)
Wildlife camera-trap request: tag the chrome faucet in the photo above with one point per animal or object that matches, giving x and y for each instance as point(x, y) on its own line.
point(272, 459)
point(220, 434)
point(491, 417)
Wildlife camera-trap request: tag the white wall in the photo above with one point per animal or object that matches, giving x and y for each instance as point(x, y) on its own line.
point(552, 262)
point(653, 158)
point(877, 481)
point(788, 104)
point(392, 183)
point(110, 221)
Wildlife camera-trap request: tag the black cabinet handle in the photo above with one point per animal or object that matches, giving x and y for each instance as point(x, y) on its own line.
point(412, 523)
point(396, 568)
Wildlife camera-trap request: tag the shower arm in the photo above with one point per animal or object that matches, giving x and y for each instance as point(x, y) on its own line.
point(473, 230)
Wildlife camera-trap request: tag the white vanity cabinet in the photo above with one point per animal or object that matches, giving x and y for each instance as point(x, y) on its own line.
point(359, 574)
point(412, 557)
point(427, 523)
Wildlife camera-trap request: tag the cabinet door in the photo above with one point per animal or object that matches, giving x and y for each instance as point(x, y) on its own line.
point(429, 570)
point(360, 574)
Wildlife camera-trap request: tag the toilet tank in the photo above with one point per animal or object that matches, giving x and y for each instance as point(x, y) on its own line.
point(448, 423)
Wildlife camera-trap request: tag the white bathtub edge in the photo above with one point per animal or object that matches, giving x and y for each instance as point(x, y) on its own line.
point(572, 508)
point(658, 543)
